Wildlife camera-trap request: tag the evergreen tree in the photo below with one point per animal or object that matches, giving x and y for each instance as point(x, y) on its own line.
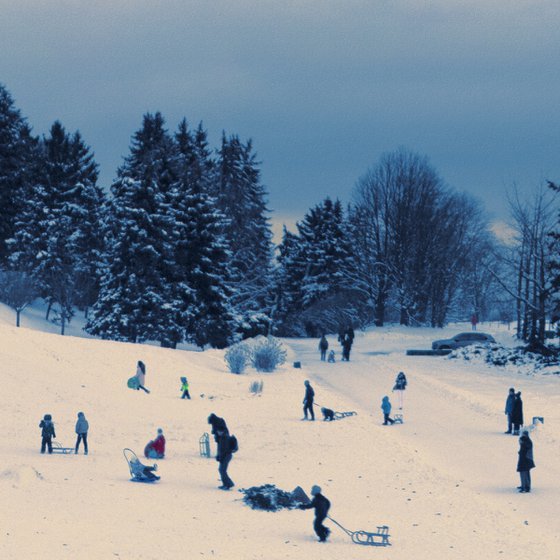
point(16, 152)
point(241, 197)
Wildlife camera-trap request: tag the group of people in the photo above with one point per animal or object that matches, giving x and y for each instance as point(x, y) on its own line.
point(346, 339)
point(48, 433)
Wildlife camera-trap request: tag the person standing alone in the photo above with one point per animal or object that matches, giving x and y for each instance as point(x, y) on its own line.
point(82, 427)
point(525, 462)
point(323, 347)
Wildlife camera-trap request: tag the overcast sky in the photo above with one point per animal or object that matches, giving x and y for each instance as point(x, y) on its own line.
point(323, 88)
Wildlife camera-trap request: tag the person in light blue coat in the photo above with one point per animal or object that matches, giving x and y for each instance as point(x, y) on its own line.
point(82, 427)
point(386, 408)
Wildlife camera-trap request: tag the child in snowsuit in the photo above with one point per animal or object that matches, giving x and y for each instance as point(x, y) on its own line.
point(82, 427)
point(47, 432)
point(140, 470)
point(185, 388)
point(308, 401)
point(321, 505)
point(386, 408)
point(155, 449)
point(330, 359)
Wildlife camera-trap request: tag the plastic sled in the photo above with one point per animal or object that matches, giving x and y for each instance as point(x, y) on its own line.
point(136, 468)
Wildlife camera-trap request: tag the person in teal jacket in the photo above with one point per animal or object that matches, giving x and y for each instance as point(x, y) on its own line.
point(386, 408)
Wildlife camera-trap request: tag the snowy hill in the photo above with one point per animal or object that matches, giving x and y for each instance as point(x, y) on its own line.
point(444, 481)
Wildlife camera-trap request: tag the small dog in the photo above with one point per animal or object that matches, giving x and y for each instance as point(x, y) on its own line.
point(328, 414)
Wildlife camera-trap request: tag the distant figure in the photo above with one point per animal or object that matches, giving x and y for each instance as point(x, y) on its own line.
point(140, 470)
point(386, 408)
point(155, 449)
point(517, 413)
point(525, 462)
point(346, 347)
point(321, 506)
point(328, 414)
point(331, 359)
point(323, 347)
point(227, 445)
point(185, 388)
point(47, 433)
point(308, 401)
point(400, 386)
point(474, 321)
point(509, 409)
point(139, 380)
point(218, 424)
point(82, 427)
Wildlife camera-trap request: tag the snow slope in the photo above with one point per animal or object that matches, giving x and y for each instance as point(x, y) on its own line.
point(444, 481)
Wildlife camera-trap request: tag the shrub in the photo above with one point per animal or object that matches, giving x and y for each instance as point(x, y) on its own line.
point(236, 357)
point(256, 387)
point(267, 354)
point(269, 498)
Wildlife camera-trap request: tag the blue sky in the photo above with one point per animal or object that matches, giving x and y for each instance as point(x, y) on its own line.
point(323, 88)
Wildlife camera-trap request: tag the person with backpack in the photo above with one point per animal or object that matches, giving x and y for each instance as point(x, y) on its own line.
point(82, 427)
point(321, 506)
point(227, 445)
point(185, 388)
point(323, 347)
point(218, 425)
point(47, 433)
point(308, 401)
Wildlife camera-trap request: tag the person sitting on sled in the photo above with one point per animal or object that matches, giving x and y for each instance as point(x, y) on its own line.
point(321, 505)
point(141, 471)
point(155, 449)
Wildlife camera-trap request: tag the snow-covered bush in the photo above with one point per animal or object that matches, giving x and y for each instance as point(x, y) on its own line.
point(267, 354)
point(237, 356)
point(270, 498)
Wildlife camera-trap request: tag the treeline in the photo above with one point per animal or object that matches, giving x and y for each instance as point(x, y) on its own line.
point(180, 248)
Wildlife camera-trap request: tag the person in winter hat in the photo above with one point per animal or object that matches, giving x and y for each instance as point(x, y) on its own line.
point(143, 471)
point(218, 424)
point(308, 401)
point(47, 433)
point(321, 506)
point(509, 409)
point(155, 449)
point(517, 413)
point(525, 461)
point(323, 347)
point(82, 427)
point(400, 386)
point(386, 408)
point(185, 388)
point(224, 456)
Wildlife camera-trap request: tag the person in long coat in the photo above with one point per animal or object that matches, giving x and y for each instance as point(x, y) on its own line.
point(323, 347)
point(525, 462)
point(509, 409)
point(517, 413)
point(224, 456)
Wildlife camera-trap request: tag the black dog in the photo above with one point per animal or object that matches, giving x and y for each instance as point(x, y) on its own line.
point(328, 414)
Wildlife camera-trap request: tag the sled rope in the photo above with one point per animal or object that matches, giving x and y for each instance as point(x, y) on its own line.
point(376, 538)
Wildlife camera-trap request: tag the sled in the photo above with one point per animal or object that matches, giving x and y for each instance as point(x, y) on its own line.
point(136, 473)
point(398, 419)
point(374, 538)
point(58, 448)
point(339, 415)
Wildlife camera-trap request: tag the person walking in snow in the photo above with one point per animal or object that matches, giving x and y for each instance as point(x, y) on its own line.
point(155, 449)
point(517, 413)
point(185, 388)
point(386, 408)
point(218, 425)
point(525, 461)
point(47, 433)
point(224, 456)
point(509, 409)
point(82, 427)
point(308, 401)
point(321, 506)
point(323, 347)
point(400, 386)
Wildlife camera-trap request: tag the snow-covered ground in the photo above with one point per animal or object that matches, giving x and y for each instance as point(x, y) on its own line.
point(444, 481)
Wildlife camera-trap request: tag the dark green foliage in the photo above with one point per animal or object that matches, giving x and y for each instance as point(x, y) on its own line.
point(269, 498)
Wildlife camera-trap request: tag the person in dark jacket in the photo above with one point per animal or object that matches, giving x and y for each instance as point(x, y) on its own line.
point(47, 432)
point(308, 401)
point(525, 462)
point(347, 346)
point(321, 506)
point(509, 409)
point(400, 386)
point(223, 457)
point(323, 347)
point(218, 424)
point(517, 413)
point(82, 427)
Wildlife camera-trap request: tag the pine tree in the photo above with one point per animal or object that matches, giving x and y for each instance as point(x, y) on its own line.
point(134, 302)
point(241, 197)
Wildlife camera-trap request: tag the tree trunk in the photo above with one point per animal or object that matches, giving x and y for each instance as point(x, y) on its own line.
point(18, 313)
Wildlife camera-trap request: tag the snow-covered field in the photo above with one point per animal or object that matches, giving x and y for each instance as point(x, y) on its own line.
point(444, 481)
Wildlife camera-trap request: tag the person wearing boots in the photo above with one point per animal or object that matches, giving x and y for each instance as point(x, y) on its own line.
point(509, 409)
point(82, 427)
point(321, 506)
point(525, 462)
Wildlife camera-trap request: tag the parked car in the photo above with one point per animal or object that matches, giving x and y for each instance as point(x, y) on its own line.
point(462, 339)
